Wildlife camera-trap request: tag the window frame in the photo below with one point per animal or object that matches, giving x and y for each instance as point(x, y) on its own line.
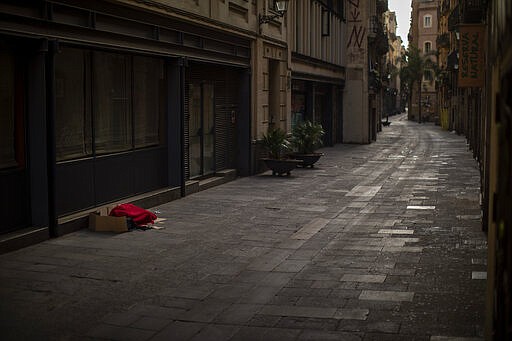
point(155, 114)
point(425, 46)
point(429, 17)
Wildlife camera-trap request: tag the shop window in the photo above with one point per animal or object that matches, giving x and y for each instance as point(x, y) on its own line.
point(111, 103)
point(7, 123)
point(73, 129)
point(148, 100)
point(118, 99)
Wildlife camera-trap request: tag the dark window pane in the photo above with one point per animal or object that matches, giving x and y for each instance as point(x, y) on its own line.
point(111, 103)
point(72, 122)
point(7, 151)
point(148, 100)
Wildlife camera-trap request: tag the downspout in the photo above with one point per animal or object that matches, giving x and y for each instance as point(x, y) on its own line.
point(50, 133)
point(182, 65)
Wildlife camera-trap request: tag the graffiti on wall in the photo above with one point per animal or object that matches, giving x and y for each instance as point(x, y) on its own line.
point(471, 61)
point(356, 33)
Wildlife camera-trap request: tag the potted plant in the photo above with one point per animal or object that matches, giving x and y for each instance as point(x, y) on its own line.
point(277, 146)
point(306, 138)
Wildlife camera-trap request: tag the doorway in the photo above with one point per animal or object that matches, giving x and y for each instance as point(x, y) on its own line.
point(14, 176)
point(201, 129)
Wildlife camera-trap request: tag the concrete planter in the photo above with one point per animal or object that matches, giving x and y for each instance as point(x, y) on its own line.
point(308, 160)
point(281, 166)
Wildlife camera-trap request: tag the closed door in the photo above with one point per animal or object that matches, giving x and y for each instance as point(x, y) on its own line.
point(201, 129)
point(14, 183)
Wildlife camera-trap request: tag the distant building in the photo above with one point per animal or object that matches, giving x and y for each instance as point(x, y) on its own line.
point(393, 60)
point(423, 35)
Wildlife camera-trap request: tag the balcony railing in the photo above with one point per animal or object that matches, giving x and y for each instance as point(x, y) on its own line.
point(472, 11)
point(443, 40)
point(454, 19)
point(382, 6)
point(445, 7)
point(374, 24)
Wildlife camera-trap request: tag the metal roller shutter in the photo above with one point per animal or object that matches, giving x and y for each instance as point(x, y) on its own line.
point(225, 83)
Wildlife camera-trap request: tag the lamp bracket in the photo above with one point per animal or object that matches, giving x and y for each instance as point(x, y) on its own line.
point(268, 18)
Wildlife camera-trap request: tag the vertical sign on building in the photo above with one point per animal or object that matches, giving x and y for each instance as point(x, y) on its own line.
point(356, 117)
point(471, 56)
point(356, 33)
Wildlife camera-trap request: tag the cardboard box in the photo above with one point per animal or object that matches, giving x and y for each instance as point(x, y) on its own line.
point(100, 222)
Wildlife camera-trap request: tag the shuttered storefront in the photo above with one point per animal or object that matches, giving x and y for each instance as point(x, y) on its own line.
point(211, 108)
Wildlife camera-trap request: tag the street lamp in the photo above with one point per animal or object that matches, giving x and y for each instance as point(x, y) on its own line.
point(280, 6)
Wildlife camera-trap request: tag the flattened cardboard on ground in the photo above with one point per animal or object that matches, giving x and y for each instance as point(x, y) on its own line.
point(105, 223)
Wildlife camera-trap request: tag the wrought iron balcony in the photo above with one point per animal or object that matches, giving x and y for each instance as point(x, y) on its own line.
point(472, 11)
point(445, 7)
point(374, 24)
point(443, 40)
point(454, 19)
point(382, 6)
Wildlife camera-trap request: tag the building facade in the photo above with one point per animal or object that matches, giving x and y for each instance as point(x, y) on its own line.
point(392, 63)
point(423, 35)
point(474, 89)
point(109, 101)
point(317, 69)
point(495, 140)
point(365, 44)
point(145, 100)
point(446, 69)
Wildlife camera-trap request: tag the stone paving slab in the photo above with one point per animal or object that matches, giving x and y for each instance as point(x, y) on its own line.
point(377, 242)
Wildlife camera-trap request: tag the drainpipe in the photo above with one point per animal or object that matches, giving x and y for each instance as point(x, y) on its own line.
point(182, 65)
point(50, 133)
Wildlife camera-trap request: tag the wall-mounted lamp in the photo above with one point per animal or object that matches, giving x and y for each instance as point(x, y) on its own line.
point(280, 6)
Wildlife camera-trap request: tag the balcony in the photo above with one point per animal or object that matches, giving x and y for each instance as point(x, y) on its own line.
point(374, 24)
point(382, 6)
point(445, 8)
point(454, 19)
point(443, 40)
point(472, 11)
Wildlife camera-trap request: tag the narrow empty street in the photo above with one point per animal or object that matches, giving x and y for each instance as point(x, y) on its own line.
point(377, 242)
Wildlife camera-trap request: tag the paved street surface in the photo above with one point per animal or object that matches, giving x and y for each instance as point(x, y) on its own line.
point(378, 242)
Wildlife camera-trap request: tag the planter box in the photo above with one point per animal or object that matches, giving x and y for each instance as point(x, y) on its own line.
point(308, 160)
point(280, 167)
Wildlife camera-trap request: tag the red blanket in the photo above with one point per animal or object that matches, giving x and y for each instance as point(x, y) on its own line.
point(139, 215)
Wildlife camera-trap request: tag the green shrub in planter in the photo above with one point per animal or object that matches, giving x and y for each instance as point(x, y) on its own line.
point(276, 143)
point(307, 137)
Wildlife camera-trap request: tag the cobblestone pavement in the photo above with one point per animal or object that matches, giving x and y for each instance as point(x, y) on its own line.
point(378, 242)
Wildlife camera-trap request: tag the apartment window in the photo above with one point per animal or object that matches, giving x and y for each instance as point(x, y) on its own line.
point(427, 75)
point(427, 21)
point(428, 46)
point(340, 8)
point(326, 22)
